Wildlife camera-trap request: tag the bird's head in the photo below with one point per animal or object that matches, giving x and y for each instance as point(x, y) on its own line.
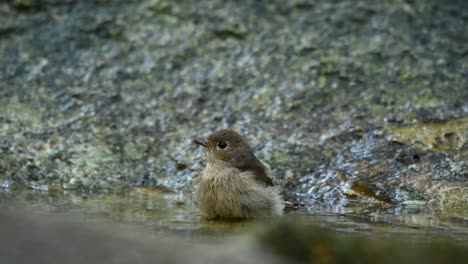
point(225, 145)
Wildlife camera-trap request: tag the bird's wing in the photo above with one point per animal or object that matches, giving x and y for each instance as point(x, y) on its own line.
point(259, 172)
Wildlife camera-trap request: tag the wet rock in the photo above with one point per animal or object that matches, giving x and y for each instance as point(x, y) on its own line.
point(360, 101)
point(438, 135)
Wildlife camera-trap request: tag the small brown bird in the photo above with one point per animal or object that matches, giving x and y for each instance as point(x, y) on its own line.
point(234, 183)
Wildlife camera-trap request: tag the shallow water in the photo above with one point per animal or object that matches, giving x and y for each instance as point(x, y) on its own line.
point(156, 226)
point(167, 214)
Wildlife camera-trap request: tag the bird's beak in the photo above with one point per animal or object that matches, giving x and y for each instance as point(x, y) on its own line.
point(200, 141)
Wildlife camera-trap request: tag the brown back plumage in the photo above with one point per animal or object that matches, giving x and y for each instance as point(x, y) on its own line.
point(259, 171)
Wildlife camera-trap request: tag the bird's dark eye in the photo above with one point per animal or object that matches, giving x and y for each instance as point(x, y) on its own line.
point(222, 145)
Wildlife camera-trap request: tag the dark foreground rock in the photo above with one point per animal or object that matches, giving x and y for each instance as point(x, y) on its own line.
point(346, 102)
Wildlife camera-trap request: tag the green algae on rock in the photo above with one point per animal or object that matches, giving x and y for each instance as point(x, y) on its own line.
point(444, 135)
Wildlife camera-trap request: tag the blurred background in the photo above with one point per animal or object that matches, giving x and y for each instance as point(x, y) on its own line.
point(359, 109)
